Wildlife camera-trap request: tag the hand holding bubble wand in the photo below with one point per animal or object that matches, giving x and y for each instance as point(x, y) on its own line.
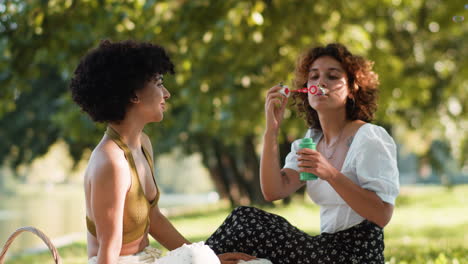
point(305, 142)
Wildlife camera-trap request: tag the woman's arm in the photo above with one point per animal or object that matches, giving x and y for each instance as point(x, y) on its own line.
point(164, 232)
point(276, 183)
point(108, 189)
point(364, 202)
point(160, 228)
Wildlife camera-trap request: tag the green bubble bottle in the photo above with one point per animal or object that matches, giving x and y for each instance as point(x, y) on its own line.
point(307, 143)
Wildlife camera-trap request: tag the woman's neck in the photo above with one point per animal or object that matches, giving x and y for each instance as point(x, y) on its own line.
point(130, 132)
point(332, 125)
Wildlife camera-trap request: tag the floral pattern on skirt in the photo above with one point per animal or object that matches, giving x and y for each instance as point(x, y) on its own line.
point(265, 235)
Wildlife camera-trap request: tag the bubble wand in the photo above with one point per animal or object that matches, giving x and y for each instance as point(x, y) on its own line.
point(313, 89)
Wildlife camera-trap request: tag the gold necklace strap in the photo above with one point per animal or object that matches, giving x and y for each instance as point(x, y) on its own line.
point(115, 136)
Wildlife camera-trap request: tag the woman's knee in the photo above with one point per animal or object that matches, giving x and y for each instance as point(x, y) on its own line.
point(246, 211)
point(242, 209)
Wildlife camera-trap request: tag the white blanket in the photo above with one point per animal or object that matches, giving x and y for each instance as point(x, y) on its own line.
point(196, 253)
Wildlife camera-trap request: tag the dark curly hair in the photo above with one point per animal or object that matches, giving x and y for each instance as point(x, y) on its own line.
point(362, 83)
point(108, 76)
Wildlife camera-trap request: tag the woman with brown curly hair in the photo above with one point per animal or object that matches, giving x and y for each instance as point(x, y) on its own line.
point(355, 163)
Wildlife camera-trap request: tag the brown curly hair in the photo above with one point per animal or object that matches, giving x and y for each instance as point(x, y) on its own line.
point(360, 76)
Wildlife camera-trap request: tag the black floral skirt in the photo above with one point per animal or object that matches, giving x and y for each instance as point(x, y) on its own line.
point(264, 235)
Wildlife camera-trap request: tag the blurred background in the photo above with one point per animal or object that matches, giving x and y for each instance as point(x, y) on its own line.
point(228, 54)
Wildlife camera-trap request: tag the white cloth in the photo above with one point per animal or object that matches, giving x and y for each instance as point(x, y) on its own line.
point(196, 253)
point(148, 256)
point(370, 163)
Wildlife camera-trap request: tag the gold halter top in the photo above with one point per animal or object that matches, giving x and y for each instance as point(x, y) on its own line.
point(137, 208)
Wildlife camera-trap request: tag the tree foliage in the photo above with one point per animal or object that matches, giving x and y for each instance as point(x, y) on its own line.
point(227, 54)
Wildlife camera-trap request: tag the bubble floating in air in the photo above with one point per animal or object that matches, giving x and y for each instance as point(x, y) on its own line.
point(458, 18)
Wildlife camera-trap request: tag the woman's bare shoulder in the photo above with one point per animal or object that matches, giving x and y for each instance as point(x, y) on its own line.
point(107, 162)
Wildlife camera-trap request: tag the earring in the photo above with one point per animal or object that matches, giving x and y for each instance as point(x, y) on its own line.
point(134, 99)
point(356, 87)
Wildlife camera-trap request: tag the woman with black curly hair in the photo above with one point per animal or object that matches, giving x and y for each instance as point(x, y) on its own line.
point(355, 163)
point(121, 84)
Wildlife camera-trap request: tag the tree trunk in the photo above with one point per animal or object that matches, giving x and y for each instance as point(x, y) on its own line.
point(238, 176)
point(2, 181)
point(235, 169)
point(209, 161)
point(227, 173)
point(252, 171)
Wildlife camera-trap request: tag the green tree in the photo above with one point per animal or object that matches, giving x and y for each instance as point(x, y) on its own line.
point(228, 53)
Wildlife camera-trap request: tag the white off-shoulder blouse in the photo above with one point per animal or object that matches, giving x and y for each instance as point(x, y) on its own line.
point(370, 163)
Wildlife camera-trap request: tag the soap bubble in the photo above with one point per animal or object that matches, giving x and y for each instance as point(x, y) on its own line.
point(458, 18)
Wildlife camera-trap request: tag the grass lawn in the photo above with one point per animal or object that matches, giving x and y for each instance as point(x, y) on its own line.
point(430, 225)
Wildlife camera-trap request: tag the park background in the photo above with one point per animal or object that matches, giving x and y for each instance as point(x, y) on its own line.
point(228, 54)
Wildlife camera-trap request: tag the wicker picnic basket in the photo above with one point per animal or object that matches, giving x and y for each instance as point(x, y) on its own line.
point(37, 232)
